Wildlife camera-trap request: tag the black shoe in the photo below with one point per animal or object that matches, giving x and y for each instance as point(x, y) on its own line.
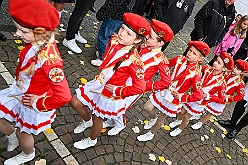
point(227, 123)
point(93, 9)
point(3, 37)
point(231, 134)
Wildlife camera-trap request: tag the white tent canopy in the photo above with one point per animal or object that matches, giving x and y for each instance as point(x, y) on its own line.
point(242, 7)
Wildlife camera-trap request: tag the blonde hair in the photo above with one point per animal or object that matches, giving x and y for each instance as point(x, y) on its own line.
point(236, 29)
point(45, 37)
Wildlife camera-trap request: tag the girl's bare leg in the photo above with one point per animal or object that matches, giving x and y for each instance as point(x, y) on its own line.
point(6, 127)
point(26, 141)
point(149, 108)
point(206, 117)
point(96, 128)
point(80, 108)
point(185, 122)
point(159, 123)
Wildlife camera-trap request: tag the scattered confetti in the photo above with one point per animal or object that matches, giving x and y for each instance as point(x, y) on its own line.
point(87, 45)
point(218, 149)
point(80, 27)
point(225, 132)
point(95, 27)
point(206, 137)
point(57, 33)
point(223, 136)
point(65, 11)
point(70, 52)
point(152, 157)
point(40, 162)
point(212, 117)
point(20, 47)
point(56, 41)
point(61, 25)
point(83, 80)
point(95, 23)
point(49, 130)
point(229, 156)
point(202, 138)
point(73, 4)
point(146, 121)
point(212, 130)
point(180, 48)
point(161, 158)
point(18, 41)
point(87, 15)
point(245, 150)
point(103, 130)
point(166, 127)
point(136, 129)
point(168, 162)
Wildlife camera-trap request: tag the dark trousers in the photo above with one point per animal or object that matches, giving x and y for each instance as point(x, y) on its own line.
point(75, 20)
point(239, 110)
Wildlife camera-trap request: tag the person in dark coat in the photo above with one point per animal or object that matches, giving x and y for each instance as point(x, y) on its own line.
point(213, 21)
point(174, 13)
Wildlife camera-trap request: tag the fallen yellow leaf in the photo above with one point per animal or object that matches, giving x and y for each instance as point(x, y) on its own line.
point(103, 130)
point(152, 157)
point(40, 162)
point(140, 121)
point(218, 149)
point(161, 158)
point(211, 120)
point(81, 62)
point(168, 162)
point(180, 48)
point(18, 41)
point(87, 45)
point(20, 47)
point(95, 27)
point(80, 27)
point(83, 80)
point(87, 15)
point(73, 4)
point(245, 150)
point(225, 132)
point(49, 130)
point(166, 127)
point(70, 52)
point(146, 121)
point(229, 156)
point(212, 117)
point(212, 130)
point(136, 129)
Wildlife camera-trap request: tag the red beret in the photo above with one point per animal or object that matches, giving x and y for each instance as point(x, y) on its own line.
point(34, 13)
point(227, 59)
point(242, 65)
point(200, 46)
point(162, 30)
point(137, 23)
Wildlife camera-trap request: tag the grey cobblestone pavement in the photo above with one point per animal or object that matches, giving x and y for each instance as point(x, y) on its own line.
point(57, 147)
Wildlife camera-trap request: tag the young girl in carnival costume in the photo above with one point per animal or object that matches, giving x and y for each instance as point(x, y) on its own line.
point(40, 85)
point(154, 61)
point(106, 93)
point(213, 86)
point(234, 91)
point(232, 39)
point(185, 75)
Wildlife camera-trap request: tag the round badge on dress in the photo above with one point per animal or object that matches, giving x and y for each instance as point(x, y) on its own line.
point(56, 75)
point(140, 73)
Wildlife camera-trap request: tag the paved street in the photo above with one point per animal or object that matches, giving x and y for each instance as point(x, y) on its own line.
point(192, 147)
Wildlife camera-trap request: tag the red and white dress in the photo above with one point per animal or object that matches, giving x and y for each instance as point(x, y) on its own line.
point(48, 82)
point(94, 93)
point(154, 61)
point(214, 86)
point(185, 76)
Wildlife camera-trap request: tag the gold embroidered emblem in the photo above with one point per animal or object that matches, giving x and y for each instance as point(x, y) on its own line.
point(140, 73)
point(39, 30)
point(56, 75)
point(141, 31)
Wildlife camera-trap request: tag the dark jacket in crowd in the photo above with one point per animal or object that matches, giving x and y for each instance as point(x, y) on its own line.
point(114, 9)
point(213, 21)
point(172, 13)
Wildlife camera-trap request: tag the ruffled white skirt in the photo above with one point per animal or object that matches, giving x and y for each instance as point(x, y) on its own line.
point(215, 108)
point(25, 118)
point(194, 108)
point(101, 106)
